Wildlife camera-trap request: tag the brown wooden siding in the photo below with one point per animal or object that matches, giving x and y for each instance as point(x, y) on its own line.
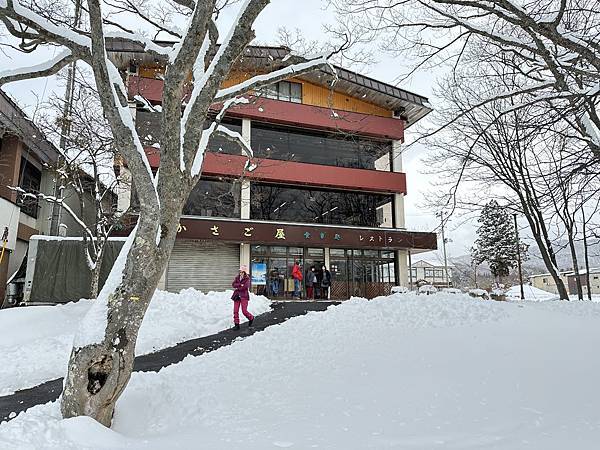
point(24, 232)
point(312, 94)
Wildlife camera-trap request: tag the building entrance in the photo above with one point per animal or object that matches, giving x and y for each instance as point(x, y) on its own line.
point(358, 273)
point(271, 268)
point(361, 273)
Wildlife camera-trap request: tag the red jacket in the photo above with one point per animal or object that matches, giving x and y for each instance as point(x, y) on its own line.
point(296, 272)
point(242, 286)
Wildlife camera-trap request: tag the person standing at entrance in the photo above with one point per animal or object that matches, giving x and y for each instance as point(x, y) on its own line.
point(311, 279)
point(297, 276)
point(274, 282)
point(241, 297)
point(325, 283)
point(310, 283)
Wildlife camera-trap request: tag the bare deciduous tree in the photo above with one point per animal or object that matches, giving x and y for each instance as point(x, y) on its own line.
point(550, 47)
point(102, 357)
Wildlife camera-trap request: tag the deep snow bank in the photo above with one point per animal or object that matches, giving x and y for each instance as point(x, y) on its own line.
point(440, 371)
point(35, 342)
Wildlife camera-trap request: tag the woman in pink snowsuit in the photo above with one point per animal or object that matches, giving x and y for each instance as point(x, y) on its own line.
point(241, 297)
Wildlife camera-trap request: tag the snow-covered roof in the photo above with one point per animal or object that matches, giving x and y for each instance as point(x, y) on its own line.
point(412, 107)
point(593, 270)
point(562, 272)
point(423, 263)
point(14, 120)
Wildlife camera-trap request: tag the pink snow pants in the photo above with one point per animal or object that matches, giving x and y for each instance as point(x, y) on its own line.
point(236, 310)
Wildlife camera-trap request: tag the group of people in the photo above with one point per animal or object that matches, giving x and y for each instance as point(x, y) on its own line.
point(317, 282)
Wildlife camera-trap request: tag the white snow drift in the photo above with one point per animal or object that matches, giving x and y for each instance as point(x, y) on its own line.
point(404, 372)
point(35, 342)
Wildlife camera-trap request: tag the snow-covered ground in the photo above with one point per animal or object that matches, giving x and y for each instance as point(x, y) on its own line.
point(534, 294)
point(35, 342)
point(404, 372)
point(531, 293)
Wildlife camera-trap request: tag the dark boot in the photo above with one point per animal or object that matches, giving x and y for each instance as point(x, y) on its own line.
point(250, 322)
point(237, 326)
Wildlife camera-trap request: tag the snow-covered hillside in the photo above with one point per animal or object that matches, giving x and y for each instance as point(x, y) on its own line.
point(35, 342)
point(403, 372)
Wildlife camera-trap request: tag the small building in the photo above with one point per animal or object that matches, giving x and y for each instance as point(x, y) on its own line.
point(594, 276)
point(545, 281)
point(25, 154)
point(433, 274)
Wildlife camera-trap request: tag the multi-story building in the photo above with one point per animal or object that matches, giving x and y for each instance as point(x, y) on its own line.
point(24, 156)
point(428, 273)
point(328, 188)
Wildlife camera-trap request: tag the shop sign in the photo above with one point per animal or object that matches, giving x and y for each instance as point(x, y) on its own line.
point(238, 231)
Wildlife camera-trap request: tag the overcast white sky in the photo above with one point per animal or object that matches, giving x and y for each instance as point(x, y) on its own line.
point(308, 16)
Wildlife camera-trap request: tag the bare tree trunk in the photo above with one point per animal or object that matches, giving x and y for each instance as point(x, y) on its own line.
point(546, 252)
point(575, 265)
point(96, 271)
point(99, 372)
point(586, 255)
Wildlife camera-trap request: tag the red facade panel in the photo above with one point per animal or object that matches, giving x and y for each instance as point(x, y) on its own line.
point(295, 173)
point(315, 117)
point(291, 114)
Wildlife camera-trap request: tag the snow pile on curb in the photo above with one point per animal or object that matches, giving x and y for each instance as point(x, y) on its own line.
point(35, 342)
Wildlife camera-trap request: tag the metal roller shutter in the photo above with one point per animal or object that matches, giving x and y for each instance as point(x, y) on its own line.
point(206, 266)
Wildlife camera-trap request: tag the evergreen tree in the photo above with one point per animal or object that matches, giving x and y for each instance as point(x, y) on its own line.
point(496, 239)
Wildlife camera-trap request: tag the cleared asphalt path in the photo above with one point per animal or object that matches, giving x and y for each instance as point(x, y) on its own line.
point(11, 405)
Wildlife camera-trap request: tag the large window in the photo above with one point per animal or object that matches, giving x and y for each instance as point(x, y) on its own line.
point(272, 202)
point(149, 128)
point(212, 198)
point(284, 90)
point(30, 181)
point(361, 273)
point(317, 148)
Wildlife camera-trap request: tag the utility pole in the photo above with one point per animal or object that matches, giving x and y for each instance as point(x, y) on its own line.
point(410, 272)
point(517, 243)
point(441, 215)
point(64, 132)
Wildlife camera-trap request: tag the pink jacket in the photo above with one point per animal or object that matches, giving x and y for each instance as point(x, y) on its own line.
point(242, 287)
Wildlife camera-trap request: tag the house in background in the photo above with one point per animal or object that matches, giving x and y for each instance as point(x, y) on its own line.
point(545, 281)
point(27, 160)
point(433, 274)
point(583, 275)
point(24, 157)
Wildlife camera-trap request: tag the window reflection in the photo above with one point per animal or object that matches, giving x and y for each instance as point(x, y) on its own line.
point(311, 147)
point(271, 202)
point(213, 198)
point(149, 128)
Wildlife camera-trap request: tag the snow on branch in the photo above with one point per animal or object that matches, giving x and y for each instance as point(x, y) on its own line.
point(259, 81)
point(126, 118)
point(46, 29)
point(57, 201)
point(43, 69)
point(198, 74)
point(208, 133)
point(236, 137)
point(149, 45)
